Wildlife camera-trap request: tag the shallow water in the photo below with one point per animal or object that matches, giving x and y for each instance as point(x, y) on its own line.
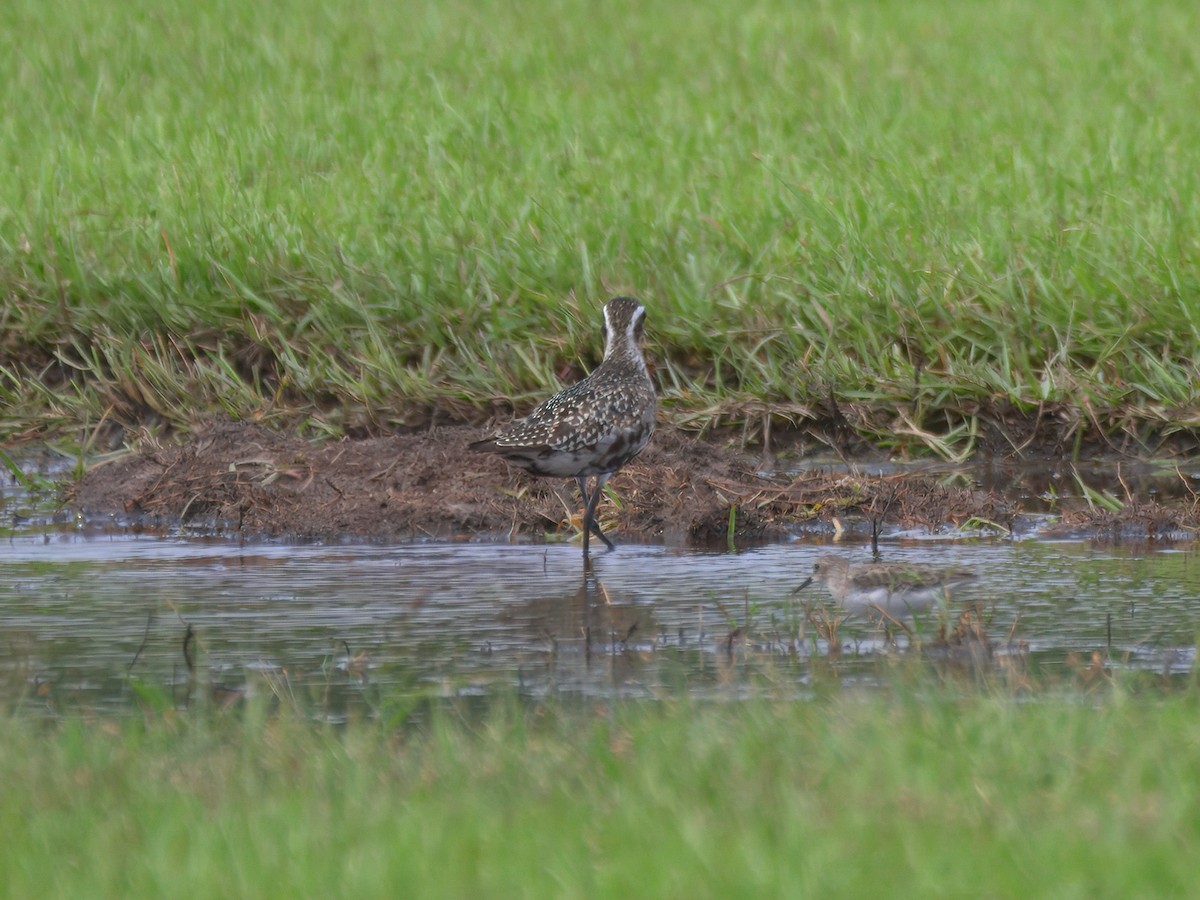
point(96, 619)
point(82, 621)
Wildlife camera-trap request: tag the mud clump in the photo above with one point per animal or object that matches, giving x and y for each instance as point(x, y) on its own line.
point(243, 477)
point(681, 490)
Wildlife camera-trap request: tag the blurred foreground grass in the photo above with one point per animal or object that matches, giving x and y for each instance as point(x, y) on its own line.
point(919, 790)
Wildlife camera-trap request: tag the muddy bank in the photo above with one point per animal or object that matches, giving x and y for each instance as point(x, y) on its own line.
point(244, 478)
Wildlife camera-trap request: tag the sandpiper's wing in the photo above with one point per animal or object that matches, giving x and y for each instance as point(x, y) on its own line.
point(899, 577)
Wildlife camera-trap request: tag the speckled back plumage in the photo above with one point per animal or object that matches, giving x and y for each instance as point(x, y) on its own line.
point(594, 426)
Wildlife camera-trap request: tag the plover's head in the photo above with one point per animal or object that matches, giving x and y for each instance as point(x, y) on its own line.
point(624, 322)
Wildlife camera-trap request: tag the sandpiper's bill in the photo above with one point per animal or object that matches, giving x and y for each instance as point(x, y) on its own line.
point(593, 427)
point(897, 589)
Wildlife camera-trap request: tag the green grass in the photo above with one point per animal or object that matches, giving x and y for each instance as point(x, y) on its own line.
point(358, 213)
point(916, 791)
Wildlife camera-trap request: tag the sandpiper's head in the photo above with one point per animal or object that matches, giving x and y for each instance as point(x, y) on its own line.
point(624, 321)
point(825, 567)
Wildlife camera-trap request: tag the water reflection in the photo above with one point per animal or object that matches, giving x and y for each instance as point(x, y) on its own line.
point(88, 623)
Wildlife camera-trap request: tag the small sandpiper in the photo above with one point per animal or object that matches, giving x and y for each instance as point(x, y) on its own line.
point(596, 425)
point(897, 589)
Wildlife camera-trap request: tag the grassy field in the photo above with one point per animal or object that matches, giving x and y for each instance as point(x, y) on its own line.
point(914, 792)
point(361, 213)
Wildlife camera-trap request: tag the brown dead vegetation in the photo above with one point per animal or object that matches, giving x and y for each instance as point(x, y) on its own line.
point(247, 479)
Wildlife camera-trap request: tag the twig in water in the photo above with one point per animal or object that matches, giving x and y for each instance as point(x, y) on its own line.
point(733, 636)
point(187, 649)
point(142, 646)
point(877, 520)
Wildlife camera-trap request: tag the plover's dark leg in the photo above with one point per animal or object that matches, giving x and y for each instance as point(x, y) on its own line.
point(581, 480)
point(601, 481)
point(590, 501)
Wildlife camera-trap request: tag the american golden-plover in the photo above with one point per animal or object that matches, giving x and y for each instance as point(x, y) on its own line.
point(593, 427)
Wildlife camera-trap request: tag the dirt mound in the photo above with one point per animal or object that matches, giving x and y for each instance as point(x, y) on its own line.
point(242, 477)
point(682, 490)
